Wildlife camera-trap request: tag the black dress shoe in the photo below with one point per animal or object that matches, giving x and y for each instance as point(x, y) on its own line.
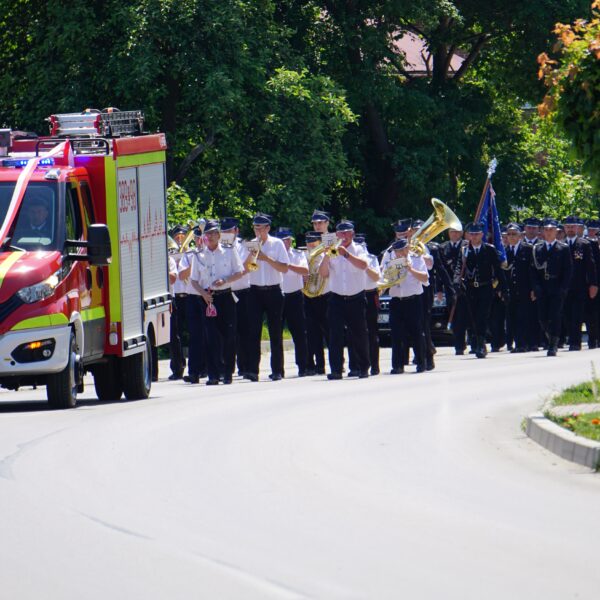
point(375, 371)
point(397, 371)
point(321, 371)
point(251, 376)
point(363, 374)
point(227, 380)
point(275, 377)
point(331, 376)
point(212, 382)
point(310, 372)
point(459, 352)
point(421, 369)
point(352, 374)
point(574, 348)
point(191, 378)
point(301, 373)
point(430, 365)
point(174, 377)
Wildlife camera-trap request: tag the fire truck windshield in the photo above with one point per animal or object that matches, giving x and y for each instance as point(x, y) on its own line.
point(34, 227)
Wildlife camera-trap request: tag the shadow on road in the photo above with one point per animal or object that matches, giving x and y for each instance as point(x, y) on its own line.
point(41, 405)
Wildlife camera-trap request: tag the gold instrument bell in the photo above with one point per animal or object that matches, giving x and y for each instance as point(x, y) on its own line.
point(441, 219)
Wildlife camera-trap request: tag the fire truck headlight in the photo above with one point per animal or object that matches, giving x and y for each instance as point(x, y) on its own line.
point(39, 291)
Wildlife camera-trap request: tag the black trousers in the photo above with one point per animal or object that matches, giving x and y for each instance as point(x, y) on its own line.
point(407, 326)
point(196, 317)
point(317, 330)
point(427, 299)
point(592, 314)
point(350, 312)
point(460, 322)
point(242, 337)
point(295, 317)
point(220, 331)
point(372, 329)
point(266, 300)
point(480, 304)
point(519, 330)
point(178, 310)
point(573, 311)
point(550, 314)
point(497, 322)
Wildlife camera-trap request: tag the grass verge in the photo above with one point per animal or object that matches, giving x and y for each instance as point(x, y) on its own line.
point(586, 424)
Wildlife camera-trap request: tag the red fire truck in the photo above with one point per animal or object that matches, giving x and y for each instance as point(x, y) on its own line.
point(83, 256)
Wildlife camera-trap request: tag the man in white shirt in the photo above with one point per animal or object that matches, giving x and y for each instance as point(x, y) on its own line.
point(317, 325)
point(214, 269)
point(197, 363)
point(178, 307)
point(293, 298)
point(266, 297)
point(347, 304)
point(241, 291)
point(406, 309)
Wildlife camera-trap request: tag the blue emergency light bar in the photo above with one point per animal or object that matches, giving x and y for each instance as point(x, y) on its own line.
point(22, 162)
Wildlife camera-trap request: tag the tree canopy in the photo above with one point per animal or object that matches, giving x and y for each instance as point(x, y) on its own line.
point(293, 105)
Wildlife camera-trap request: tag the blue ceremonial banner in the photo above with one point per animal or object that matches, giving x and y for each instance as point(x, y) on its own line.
point(488, 217)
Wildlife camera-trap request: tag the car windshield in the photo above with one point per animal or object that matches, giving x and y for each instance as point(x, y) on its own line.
point(35, 226)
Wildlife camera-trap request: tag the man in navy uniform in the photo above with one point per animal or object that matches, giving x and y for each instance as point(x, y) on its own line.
point(520, 285)
point(592, 310)
point(481, 272)
point(451, 253)
point(552, 267)
point(584, 281)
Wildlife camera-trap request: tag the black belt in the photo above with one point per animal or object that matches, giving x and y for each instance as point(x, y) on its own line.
point(353, 297)
point(406, 297)
point(220, 292)
point(182, 295)
point(292, 293)
point(265, 287)
point(241, 291)
point(477, 284)
point(372, 292)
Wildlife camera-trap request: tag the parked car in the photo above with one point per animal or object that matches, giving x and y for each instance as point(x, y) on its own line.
point(440, 311)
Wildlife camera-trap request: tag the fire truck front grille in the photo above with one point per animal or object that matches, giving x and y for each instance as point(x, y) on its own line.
point(6, 308)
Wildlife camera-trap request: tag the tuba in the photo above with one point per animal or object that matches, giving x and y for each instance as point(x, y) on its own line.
point(441, 219)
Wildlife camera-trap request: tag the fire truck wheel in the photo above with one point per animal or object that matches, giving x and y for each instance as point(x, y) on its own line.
point(137, 374)
point(107, 380)
point(61, 388)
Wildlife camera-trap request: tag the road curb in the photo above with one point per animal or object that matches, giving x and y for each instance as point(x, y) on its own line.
point(562, 442)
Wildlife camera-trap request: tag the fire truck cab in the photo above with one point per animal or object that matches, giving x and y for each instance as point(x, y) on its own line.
point(83, 256)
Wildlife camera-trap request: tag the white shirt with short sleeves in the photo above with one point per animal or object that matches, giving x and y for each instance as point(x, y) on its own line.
point(293, 282)
point(210, 265)
point(344, 278)
point(266, 275)
point(373, 264)
point(243, 283)
point(410, 285)
point(187, 259)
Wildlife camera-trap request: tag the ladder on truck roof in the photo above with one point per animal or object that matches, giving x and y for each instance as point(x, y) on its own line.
point(107, 123)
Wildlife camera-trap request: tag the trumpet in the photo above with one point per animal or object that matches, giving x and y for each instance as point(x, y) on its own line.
point(254, 247)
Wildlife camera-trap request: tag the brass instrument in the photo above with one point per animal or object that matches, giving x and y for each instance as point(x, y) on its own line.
point(190, 236)
point(253, 262)
point(172, 245)
point(314, 284)
point(441, 219)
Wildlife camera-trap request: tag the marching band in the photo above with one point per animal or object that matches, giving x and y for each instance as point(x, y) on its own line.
point(328, 294)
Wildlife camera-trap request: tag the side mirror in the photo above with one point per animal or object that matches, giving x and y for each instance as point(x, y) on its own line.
point(98, 245)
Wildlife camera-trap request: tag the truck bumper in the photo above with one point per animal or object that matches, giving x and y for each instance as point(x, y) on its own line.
point(16, 359)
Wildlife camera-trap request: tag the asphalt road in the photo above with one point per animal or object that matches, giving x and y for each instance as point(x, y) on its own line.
point(409, 486)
